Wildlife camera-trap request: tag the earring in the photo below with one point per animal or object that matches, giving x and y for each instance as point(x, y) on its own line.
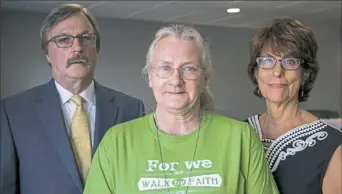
point(302, 91)
point(257, 91)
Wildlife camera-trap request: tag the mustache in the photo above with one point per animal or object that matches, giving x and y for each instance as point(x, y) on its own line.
point(77, 58)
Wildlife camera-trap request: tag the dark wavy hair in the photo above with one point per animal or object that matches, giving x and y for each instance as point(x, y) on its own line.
point(291, 38)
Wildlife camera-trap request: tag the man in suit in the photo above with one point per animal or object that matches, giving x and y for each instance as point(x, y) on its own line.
point(49, 133)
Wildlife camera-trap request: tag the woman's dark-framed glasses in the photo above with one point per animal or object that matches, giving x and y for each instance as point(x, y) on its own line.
point(286, 63)
point(66, 41)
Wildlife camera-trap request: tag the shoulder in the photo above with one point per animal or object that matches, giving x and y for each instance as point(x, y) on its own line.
point(24, 97)
point(236, 131)
point(124, 134)
point(252, 120)
point(119, 96)
point(319, 128)
point(334, 123)
point(129, 128)
point(333, 132)
point(224, 122)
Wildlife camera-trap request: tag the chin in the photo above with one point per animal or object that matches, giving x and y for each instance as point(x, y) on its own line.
point(78, 73)
point(175, 106)
point(276, 99)
point(78, 67)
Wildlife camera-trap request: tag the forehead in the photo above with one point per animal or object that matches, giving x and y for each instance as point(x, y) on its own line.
point(173, 49)
point(268, 50)
point(276, 50)
point(73, 25)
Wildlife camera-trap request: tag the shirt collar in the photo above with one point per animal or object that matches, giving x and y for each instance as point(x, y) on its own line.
point(88, 94)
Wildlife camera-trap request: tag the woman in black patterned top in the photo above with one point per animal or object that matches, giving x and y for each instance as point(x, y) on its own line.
point(304, 152)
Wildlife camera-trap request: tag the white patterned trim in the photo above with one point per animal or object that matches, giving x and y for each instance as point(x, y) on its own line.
point(280, 143)
point(275, 153)
point(299, 145)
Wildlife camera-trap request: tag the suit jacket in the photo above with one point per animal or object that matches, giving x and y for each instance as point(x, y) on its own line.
point(36, 156)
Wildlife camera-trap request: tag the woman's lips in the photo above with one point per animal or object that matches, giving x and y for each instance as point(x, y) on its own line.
point(277, 85)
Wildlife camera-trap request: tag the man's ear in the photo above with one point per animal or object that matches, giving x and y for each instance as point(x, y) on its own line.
point(48, 58)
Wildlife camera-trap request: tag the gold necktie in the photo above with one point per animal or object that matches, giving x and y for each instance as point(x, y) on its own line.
point(80, 137)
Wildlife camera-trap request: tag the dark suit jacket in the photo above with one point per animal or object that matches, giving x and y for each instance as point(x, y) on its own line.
point(35, 152)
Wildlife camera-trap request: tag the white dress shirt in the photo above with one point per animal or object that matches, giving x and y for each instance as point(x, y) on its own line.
point(69, 107)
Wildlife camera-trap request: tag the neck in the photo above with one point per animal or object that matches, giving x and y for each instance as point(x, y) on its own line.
point(282, 116)
point(178, 123)
point(75, 86)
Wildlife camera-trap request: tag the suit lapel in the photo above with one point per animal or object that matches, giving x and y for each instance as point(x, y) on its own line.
point(50, 112)
point(106, 113)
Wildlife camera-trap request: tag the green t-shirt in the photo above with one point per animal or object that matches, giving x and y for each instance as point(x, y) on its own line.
point(229, 158)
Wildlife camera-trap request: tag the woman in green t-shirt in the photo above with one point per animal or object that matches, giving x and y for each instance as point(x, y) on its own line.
point(181, 147)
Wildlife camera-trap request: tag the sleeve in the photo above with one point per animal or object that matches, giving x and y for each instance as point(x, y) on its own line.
point(101, 173)
point(9, 183)
point(259, 177)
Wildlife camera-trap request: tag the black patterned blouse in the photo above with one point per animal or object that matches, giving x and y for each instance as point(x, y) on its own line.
point(299, 158)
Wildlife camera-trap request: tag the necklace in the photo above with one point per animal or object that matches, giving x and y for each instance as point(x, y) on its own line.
point(193, 156)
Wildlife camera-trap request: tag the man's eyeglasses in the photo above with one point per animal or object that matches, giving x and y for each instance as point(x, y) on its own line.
point(270, 62)
point(66, 41)
point(188, 72)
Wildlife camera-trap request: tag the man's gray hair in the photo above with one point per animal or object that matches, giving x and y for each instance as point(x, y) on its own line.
point(61, 13)
point(186, 33)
